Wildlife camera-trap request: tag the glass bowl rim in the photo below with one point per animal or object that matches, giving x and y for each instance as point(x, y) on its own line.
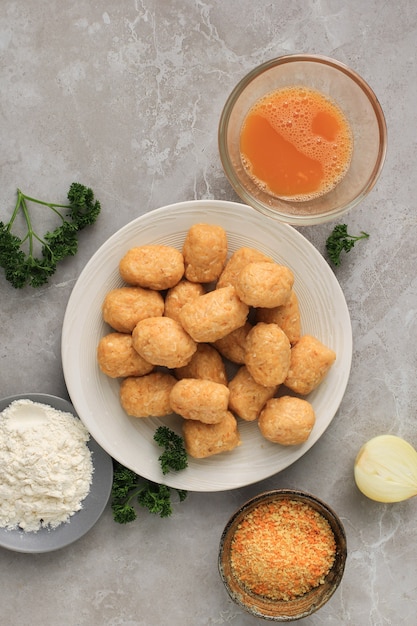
point(317, 218)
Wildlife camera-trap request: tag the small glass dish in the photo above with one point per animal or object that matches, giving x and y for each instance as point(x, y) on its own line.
point(350, 93)
point(265, 606)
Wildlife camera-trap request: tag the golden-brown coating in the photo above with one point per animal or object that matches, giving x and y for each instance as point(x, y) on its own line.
point(205, 363)
point(154, 266)
point(117, 357)
point(268, 353)
point(199, 399)
point(232, 346)
point(287, 316)
point(205, 252)
point(247, 397)
point(287, 420)
point(163, 341)
point(310, 363)
point(238, 260)
point(147, 396)
point(264, 284)
point(204, 440)
point(213, 315)
point(180, 294)
point(190, 331)
point(124, 307)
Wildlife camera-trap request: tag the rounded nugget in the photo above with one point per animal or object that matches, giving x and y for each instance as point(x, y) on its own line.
point(238, 260)
point(310, 363)
point(287, 420)
point(117, 357)
point(247, 397)
point(155, 266)
point(264, 284)
point(163, 341)
point(185, 291)
point(268, 353)
point(198, 399)
point(232, 346)
point(287, 316)
point(205, 363)
point(205, 252)
point(204, 440)
point(213, 315)
point(147, 396)
point(123, 308)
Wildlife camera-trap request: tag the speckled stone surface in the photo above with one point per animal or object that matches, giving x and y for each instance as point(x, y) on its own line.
point(125, 96)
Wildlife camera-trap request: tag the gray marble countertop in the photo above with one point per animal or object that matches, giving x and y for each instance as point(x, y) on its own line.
point(125, 97)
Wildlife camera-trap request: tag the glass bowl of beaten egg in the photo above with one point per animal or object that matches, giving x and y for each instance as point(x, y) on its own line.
point(282, 555)
point(302, 139)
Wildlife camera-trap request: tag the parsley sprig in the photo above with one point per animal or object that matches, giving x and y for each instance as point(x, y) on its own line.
point(340, 240)
point(174, 456)
point(129, 488)
point(23, 267)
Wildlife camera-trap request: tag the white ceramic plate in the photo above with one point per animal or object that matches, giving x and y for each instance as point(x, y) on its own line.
point(323, 312)
point(48, 540)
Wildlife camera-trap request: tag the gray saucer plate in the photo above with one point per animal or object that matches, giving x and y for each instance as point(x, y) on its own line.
point(48, 540)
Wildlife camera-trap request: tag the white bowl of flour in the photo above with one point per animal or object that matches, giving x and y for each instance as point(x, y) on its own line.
point(56, 480)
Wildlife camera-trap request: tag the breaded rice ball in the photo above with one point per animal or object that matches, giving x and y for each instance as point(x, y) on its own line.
point(204, 252)
point(154, 266)
point(180, 294)
point(268, 353)
point(310, 363)
point(238, 260)
point(287, 316)
point(198, 399)
point(232, 346)
point(147, 396)
point(205, 363)
point(204, 440)
point(247, 398)
point(287, 420)
point(264, 284)
point(123, 308)
point(163, 341)
point(117, 357)
point(213, 315)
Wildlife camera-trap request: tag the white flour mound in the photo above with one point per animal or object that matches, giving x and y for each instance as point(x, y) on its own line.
point(46, 466)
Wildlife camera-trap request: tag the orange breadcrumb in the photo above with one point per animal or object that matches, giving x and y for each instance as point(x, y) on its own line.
point(282, 549)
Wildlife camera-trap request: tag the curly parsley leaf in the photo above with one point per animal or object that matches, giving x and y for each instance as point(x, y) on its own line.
point(130, 489)
point(24, 268)
point(340, 240)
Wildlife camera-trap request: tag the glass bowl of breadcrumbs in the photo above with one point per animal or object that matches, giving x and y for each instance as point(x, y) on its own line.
point(282, 555)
